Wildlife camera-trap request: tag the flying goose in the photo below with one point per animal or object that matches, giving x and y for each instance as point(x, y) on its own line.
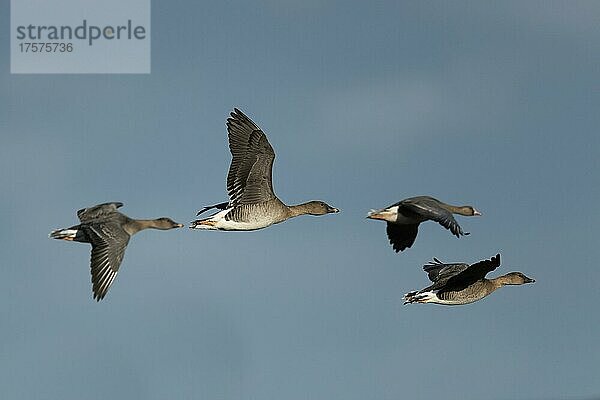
point(460, 283)
point(252, 202)
point(403, 218)
point(108, 231)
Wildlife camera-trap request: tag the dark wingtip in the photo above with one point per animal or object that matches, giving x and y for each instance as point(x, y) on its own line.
point(399, 248)
point(236, 113)
point(496, 260)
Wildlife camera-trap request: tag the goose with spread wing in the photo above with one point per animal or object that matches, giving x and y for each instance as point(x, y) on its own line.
point(108, 231)
point(460, 283)
point(252, 202)
point(403, 218)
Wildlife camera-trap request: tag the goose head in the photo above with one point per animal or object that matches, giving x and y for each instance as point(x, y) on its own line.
point(165, 223)
point(468, 211)
point(318, 207)
point(516, 278)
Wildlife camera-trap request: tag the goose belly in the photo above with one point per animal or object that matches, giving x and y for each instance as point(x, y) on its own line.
point(465, 296)
point(230, 225)
point(453, 302)
point(240, 219)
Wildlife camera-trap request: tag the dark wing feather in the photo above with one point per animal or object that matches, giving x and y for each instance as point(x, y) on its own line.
point(438, 271)
point(98, 211)
point(220, 206)
point(472, 274)
point(109, 241)
point(430, 208)
point(239, 129)
point(401, 236)
point(249, 179)
point(259, 166)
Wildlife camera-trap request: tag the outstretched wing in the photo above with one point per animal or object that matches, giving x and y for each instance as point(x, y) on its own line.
point(401, 236)
point(109, 241)
point(438, 271)
point(472, 274)
point(249, 179)
point(98, 211)
point(430, 209)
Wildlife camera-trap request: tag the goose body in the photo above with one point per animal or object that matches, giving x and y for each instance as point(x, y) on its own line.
point(403, 218)
point(108, 231)
point(252, 202)
point(247, 217)
point(460, 283)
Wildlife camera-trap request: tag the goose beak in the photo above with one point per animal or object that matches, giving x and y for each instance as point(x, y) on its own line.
point(179, 225)
point(529, 280)
point(476, 213)
point(333, 210)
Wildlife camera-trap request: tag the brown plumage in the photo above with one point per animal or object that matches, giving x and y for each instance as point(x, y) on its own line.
point(108, 231)
point(460, 283)
point(252, 202)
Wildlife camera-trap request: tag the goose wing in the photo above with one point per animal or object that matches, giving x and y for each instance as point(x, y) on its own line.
point(109, 241)
point(97, 212)
point(400, 236)
point(439, 271)
point(220, 206)
point(472, 274)
point(430, 208)
point(249, 179)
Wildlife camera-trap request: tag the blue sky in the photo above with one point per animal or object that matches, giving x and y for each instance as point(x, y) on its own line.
point(494, 105)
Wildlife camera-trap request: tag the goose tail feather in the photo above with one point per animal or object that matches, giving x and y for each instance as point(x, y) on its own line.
point(64, 234)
